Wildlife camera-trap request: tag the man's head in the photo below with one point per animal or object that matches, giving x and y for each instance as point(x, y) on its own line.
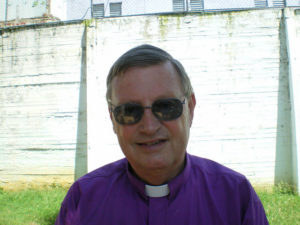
point(144, 56)
point(151, 107)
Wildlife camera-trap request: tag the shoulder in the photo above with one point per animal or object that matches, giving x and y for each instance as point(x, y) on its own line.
point(224, 185)
point(211, 167)
point(88, 189)
point(101, 177)
point(215, 173)
point(221, 180)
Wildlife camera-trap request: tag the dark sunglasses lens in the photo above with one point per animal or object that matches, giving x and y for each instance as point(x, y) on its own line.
point(167, 109)
point(128, 113)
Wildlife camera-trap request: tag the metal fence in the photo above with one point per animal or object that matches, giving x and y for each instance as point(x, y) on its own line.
point(20, 12)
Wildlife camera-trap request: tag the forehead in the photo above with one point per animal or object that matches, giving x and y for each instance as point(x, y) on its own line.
point(151, 82)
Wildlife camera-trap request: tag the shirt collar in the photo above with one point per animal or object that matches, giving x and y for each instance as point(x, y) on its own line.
point(157, 191)
point(171, 189)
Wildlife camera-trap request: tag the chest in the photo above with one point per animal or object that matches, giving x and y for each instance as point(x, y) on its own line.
point(186, 209)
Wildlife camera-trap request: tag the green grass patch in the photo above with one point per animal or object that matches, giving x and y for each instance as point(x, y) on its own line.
point(282, 205)
point(30, 207)
point(41, 206)
point(281, 209)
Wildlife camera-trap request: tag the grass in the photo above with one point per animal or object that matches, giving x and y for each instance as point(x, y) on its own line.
point(282, 206)
point(281, 209)
point(40, 206)
point(30, 207)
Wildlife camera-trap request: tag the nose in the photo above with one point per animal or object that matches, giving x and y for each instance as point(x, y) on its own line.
point(149, 124)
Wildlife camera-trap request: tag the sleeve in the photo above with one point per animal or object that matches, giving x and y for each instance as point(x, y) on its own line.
point(69, 213)
point(255, 213)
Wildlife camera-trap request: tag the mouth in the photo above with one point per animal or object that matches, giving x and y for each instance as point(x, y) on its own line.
point(151, 143)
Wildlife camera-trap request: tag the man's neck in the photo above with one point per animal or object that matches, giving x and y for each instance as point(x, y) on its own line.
point(158, 176)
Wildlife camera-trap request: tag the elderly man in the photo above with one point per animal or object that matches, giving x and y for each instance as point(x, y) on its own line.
point(151, 105)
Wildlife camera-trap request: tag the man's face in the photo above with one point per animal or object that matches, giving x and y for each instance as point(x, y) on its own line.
point(152, 145)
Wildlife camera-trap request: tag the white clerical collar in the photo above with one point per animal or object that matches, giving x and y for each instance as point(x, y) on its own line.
point(157, 191)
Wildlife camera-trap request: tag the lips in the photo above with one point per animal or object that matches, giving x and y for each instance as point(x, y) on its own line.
point(151, 142)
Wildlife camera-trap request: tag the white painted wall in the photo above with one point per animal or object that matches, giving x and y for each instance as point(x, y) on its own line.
point(242, 119)
point(40, 75)
point(237, 62)
point(292, 20)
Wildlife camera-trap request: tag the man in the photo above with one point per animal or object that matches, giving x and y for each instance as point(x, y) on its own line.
point(151, 105)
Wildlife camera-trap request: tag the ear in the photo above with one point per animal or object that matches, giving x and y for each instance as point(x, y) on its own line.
point(112, 119)
point(191, 105)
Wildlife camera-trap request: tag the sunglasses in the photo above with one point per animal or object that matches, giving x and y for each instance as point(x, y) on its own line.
point(162, 109)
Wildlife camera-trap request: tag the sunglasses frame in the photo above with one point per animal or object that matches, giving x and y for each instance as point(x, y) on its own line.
point(114, 109)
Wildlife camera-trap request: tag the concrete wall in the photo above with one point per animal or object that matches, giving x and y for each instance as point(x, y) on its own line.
point(292, 23)
point(40, 78)
point(238, 63)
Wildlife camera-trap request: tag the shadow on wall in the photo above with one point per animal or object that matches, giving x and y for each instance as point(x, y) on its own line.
point(283, 162)
point(81, 146)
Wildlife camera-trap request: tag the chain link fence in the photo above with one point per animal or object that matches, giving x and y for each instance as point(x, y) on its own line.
point(21, 12)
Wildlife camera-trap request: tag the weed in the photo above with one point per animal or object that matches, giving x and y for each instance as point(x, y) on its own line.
point(284, 188)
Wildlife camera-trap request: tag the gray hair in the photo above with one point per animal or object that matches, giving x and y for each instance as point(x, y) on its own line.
point(144, 56)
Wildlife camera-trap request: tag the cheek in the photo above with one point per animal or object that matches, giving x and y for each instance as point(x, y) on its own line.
point(180, 130)
point(125, 134)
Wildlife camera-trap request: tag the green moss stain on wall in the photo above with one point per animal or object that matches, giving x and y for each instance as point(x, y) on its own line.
point(229, 24)
point(163, 26)
point(88, 22)
point(168, 22)
point(178, 22)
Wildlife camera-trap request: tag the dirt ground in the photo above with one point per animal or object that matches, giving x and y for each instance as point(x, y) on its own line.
point(36, 182)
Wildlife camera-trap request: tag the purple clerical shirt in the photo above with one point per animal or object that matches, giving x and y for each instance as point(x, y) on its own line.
point(204, 193)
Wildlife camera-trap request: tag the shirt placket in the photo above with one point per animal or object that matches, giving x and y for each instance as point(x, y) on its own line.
point(158, 211)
